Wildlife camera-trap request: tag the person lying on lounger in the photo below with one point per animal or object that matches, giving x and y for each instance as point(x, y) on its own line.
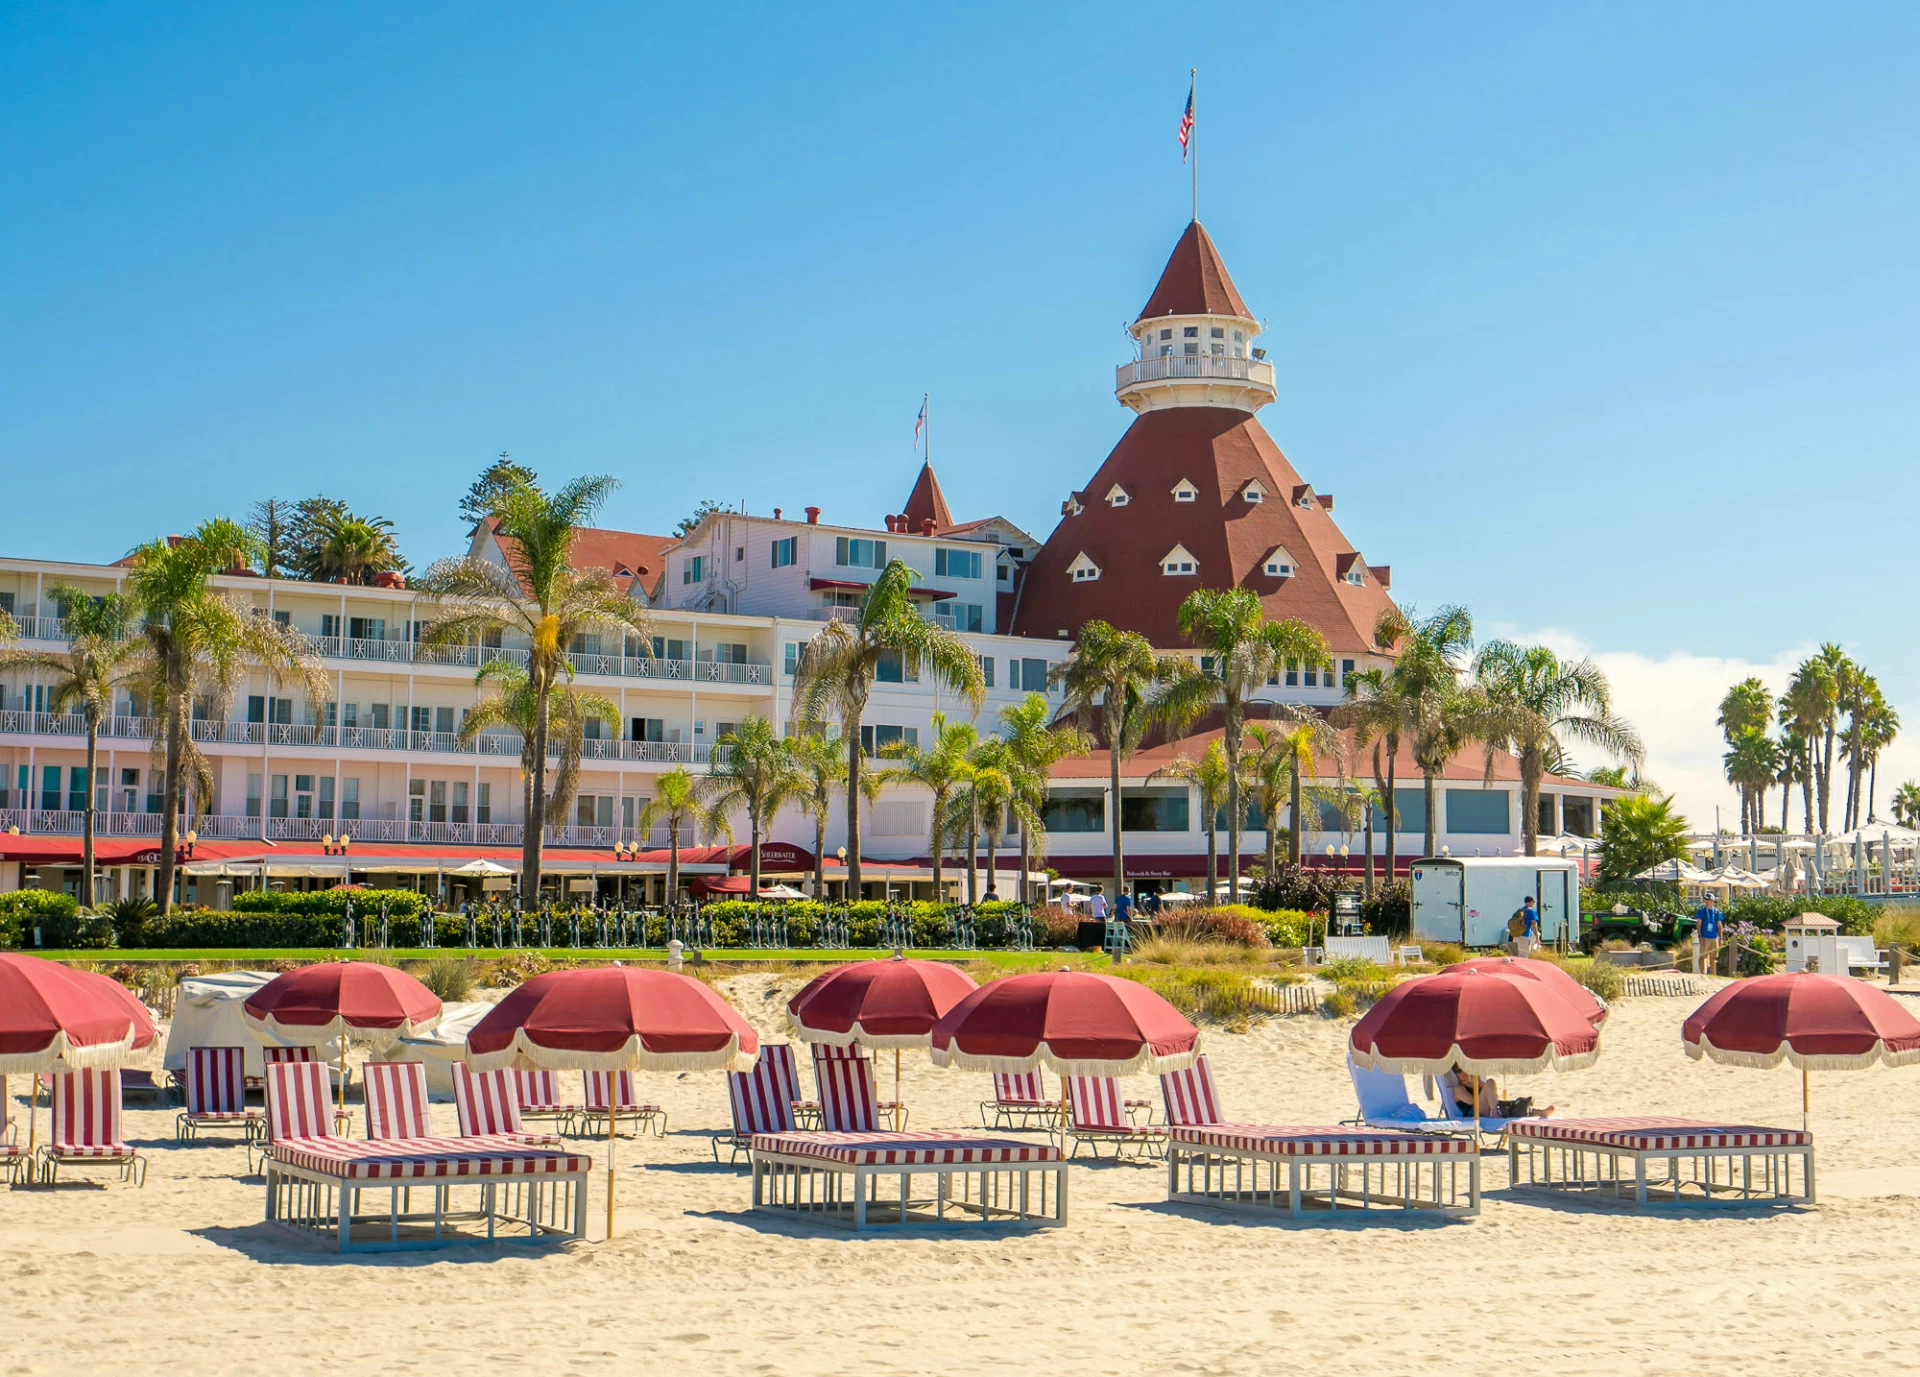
point(1463, 1089)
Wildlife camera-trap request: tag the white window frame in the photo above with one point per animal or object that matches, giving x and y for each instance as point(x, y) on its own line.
point(1185, 491)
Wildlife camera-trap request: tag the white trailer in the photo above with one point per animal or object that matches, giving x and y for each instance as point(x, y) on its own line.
point(1468, 899)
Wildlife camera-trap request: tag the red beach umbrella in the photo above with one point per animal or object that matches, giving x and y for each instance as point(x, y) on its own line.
point(53, 1018)
point(1553, 977)
point(316, 1004)
point(1077, 1022)
point(892, 1003)
point(1817, 1022)
point(1481, 1023)
point(613, 1018)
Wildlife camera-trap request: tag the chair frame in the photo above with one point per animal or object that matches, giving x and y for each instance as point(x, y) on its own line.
point(562, 1116)
point(1002, 1113)
point(643, 1117)
point(1149, 1140)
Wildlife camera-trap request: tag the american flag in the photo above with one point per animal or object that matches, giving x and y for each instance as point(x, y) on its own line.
point(920, 423)
point(1186, 125)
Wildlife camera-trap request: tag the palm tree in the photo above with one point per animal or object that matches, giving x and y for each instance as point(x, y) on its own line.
point(99, 652)
point(1208, 774)
point(677, 802)
point(1752, 762)
point(817, 758)
point(836, 672)
point(1115, 676)
point(1379, 716)
point(1748, 703)
point(353, 549)
point(539, 595)
point(1533, 703)
point(1808, 708)
point(1242, 652)
point(1882, 725)
point(757, 777)
point(1429, 654)
point(995, 799)
point(1639, 831)
point(1871, 726)
point(1794, 769)
point(940, 767)
point(197, 643)
point(513, 705)
point(1270, 770)
point(1034, 747)
point(1906, 804)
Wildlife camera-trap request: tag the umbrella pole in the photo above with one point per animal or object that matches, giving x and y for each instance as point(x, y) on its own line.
point(33, 1112)
point(612, 1106)
point(1803, 1099)
point(896, 1090)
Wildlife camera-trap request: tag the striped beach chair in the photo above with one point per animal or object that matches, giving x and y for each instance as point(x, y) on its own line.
point(488, 1105)
point(1097, 1114)
point(216, 1091)
point(396, 1097)
point(887, 1113)
point(1191, 1100)
point(86, 1128)
point(539, 1093)
point(299, 1106)
point(845, 1084)
point(614, 1092)
point(1020, 1100)
point(762, 1100)
point(12, 1158)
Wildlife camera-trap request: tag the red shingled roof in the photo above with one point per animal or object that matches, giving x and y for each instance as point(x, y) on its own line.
point(927, 503)
point(1195, 282)
point(631, 556)
point(1217, 450)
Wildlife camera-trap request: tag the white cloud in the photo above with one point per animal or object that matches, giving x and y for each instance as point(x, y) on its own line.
point(1674, 700)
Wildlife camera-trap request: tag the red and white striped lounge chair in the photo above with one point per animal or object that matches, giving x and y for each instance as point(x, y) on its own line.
point(892, 1111)
point(762, 1100)
point(488, 1104)
point(396, 1096)
point(539, 1093)
point(307, 1056)
point(86, 1128)
point(299, 1105)
point(626, 1107)
point(846, 1094)
point(1192, 1102)
point(216, 1091)
point(1097, 1114)
point(1020, 1100)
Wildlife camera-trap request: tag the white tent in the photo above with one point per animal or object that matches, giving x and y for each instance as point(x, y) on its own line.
point(1734, 877)
point(442, 1047)
point(207, 1013)
point(483, 868)
point(1677, 872)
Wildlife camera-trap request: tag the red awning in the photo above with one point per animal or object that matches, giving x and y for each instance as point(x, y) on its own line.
point(853, 585)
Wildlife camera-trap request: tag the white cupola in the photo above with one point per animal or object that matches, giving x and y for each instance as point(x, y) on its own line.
point(1194, 340)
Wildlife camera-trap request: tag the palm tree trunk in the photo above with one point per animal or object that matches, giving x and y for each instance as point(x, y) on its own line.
point(1873, 782)
point(534, 838)
point(1786, 801)
point(1431, 794)
point(1272, 823)
point(177, 726)
point(1530, 766)
point(992, 861)
point(1392, 815)
point(1231, 745)
point(819, 858)
point(1294, 828)
point(1368, 817)
point(973, 847)
point(1025, 862)
point(753, 852)
point(934, 840)
point(86, 822)
point(1213, 865)
point(1806, 783)
point(1113, 802)
point(853, 807)
point(1825, 770)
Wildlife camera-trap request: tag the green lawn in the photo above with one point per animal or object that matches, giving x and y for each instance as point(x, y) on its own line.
point(1010, 960)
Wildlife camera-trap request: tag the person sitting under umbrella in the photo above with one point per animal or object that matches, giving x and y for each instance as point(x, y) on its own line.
point(1463, 1089)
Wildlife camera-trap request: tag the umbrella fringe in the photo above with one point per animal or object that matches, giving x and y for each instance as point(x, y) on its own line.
point(858, 1036)
point(525, 1055)
point(1145, 1062)
point(1550, 1060)
point(1812, 1061)
point(313, 1034)
point(59, 1055)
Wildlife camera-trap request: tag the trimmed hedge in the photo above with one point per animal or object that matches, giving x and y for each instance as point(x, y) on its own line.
point(56, 915)
point(318, 919)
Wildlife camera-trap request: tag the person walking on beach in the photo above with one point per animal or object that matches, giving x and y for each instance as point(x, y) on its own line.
point(1097, 906)
point(1706, 934)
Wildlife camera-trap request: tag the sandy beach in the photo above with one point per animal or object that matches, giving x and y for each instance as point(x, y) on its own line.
point(185, 1275)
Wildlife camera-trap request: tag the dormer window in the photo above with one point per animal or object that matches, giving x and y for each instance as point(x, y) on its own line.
point(1253, 493)
point(1117, 496)
point(1178, 563)
point(1184, 491)
point(1354, 577)
point(1083, 570)
point(1306, 501)
point(1279, 566)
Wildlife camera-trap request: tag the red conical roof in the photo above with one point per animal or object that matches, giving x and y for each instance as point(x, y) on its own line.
point(1219, 452)
point(1195, 282)
point(927, 502)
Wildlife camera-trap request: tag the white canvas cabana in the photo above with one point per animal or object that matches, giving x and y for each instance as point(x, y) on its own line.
point(207, 1012)
point(443, 1047)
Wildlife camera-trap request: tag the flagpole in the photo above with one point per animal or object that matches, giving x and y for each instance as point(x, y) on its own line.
point(926, 405)
point(1193, 137)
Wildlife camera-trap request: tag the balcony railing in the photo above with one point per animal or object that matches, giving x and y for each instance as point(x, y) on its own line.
point(505, 744)
point(1202, 366)
point(364, 650)
point(223, 827)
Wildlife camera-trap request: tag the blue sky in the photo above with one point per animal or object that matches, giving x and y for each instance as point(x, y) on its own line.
point(1599, 321)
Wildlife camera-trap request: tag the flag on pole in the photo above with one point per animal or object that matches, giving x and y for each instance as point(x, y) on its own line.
point(920, 423)
point(1186, 125)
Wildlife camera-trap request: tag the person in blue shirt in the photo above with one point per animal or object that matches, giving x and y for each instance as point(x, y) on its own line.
point(1707, 919)
point(1527, 921)
point(1123, 907)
